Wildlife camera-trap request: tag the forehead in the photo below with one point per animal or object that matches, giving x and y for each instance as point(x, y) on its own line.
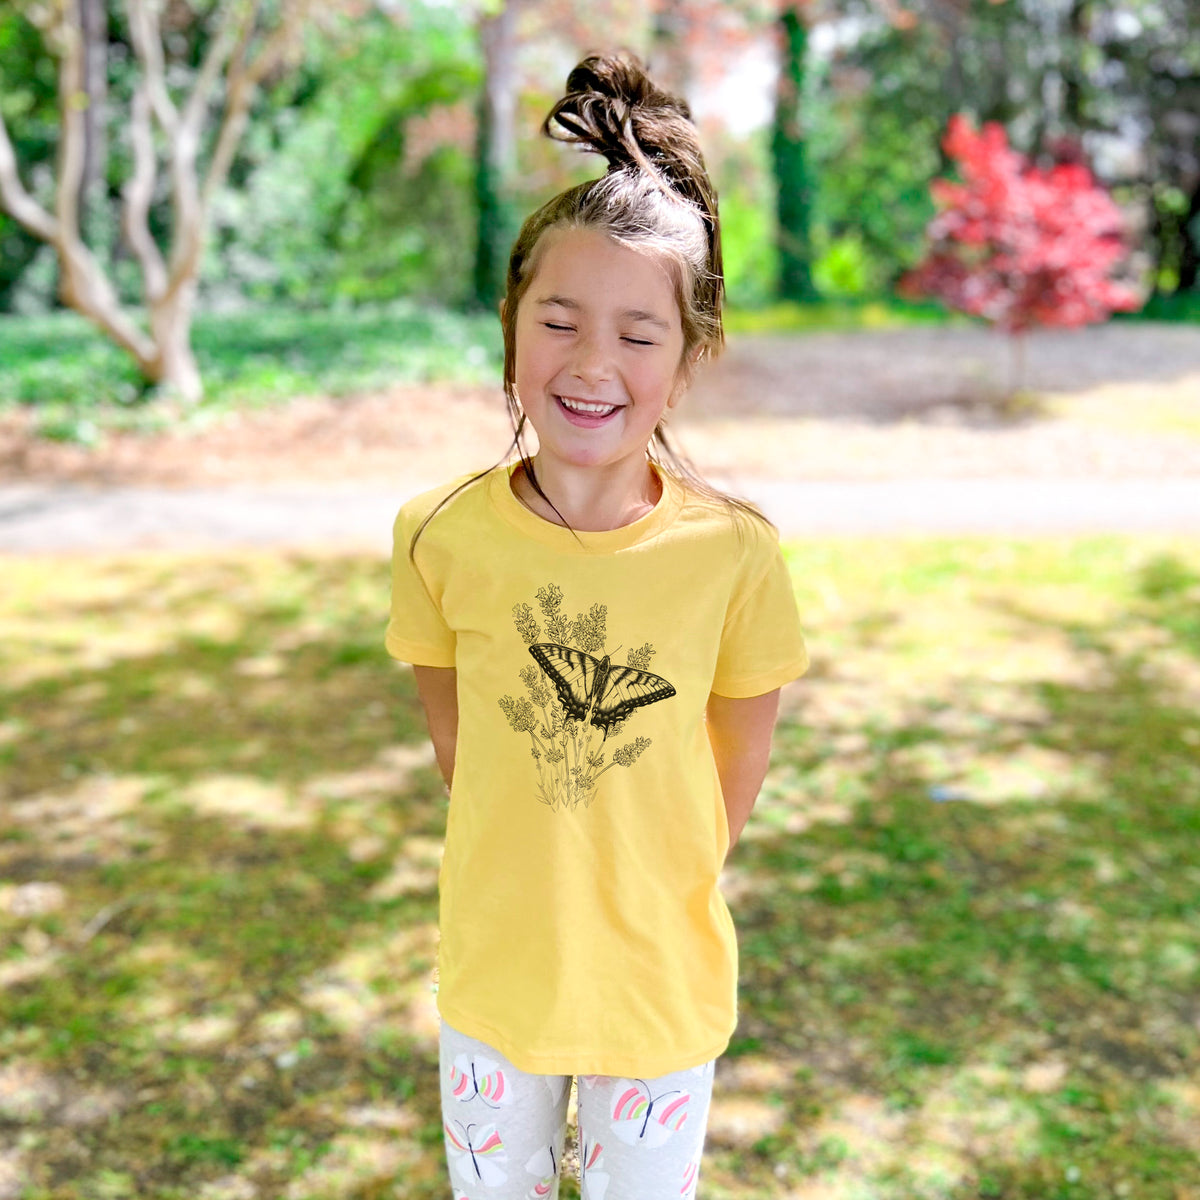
point(595, 271)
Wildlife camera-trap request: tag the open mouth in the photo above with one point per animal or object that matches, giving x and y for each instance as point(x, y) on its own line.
point(586, 414)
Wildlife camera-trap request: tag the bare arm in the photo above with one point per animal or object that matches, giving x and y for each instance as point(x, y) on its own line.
point(438, 689)
point(740, 733)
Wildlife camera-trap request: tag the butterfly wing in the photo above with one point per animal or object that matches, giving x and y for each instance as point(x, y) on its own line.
point(572, 672)
point(544, 1165)
point(640, 1117)
point(593, 1178)
point(626, 689)
point(479, 1076)
point(477, 1152)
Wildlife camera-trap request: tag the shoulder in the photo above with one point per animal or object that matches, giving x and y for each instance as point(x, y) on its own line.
point(442, 498)
point(743, 536)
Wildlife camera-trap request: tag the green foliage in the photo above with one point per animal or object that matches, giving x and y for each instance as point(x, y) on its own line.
point(794, 177)
point(29, 106)
point(874, 154)
point(340, 198)
point(78, 379)
point(741, 173)
point(1181, 307)
point(788, 316)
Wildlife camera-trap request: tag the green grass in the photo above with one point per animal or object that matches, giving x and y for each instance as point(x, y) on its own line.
point(82, 383)
point(787, 316)
point(991, 994)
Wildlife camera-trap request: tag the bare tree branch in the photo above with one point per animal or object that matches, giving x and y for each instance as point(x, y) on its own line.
point(147, 45)
point(17, 202)
point(82, 282)
point(243, 80)
point(139, 192)
point(169, 279)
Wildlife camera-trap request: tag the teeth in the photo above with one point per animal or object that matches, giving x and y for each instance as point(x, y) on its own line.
point(580, 406)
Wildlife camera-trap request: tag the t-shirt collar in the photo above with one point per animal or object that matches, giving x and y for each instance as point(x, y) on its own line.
point(600, 541)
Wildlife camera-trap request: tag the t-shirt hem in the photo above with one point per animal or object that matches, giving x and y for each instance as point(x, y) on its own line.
point(768, 681)
point(419, 655)
point(583, 1062)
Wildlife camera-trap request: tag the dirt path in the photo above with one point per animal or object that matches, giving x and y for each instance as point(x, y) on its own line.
point(839, 431)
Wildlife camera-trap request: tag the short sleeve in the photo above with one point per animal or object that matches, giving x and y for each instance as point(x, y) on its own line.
point(417, 631)
point(762, 645)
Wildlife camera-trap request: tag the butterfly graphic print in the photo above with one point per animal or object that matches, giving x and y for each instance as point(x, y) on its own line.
point(478, 1076)
point(639, 1116)
point(593, 689)
point(593, 1178)
point(578, 701)
point(476, 1153)
point(544, 1164)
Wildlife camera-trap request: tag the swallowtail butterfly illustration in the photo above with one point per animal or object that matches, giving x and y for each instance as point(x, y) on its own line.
point(593, 690)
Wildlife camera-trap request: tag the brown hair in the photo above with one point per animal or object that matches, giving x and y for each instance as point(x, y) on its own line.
point(655, 198)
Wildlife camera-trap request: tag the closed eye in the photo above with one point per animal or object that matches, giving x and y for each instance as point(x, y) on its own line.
point(571, 329)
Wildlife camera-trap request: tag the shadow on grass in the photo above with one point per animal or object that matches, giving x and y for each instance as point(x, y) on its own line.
point(976, 937)
point(219, 847)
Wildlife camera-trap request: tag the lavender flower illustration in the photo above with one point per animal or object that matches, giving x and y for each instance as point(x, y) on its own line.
point(576, 698)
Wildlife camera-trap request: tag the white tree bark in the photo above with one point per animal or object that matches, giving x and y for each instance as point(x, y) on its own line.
point(239, 56)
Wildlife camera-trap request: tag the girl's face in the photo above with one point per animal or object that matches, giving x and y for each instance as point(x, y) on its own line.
point(598, 325)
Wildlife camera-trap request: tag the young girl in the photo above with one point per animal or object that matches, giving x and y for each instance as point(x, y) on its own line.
point(599, 640)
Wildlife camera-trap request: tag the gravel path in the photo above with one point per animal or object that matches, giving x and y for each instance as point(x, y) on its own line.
point(858, 432)
point(74, 518)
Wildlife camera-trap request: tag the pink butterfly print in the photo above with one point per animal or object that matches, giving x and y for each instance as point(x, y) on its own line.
point(593, 1182)
point(691, 1176)
point(471, 1077)
point(477, 1153)
point(639, 1116)
point(542, 1164)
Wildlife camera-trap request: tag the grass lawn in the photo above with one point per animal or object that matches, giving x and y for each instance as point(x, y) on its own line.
point(968, 901)
point(82, 384)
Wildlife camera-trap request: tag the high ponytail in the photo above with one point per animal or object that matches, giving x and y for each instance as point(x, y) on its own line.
point(612, 107)
point(655, 198)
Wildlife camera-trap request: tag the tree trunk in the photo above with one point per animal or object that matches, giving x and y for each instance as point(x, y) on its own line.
point(1189, 253)
point(93, 25)
point(164, 355)
point(174, 366)
point(495, 153)
point(792, 177)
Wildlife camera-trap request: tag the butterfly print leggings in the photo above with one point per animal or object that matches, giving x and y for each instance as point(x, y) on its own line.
point(639, 1139)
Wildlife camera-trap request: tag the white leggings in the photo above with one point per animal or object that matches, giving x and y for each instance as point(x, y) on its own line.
point(639, 1139)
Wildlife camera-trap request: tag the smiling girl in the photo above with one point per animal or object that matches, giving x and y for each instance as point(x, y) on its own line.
point(599, 638)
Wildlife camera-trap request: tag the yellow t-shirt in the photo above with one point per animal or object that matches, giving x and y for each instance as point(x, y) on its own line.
point(582, 930)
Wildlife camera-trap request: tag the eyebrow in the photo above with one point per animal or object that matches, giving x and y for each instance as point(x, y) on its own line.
point(631, 314)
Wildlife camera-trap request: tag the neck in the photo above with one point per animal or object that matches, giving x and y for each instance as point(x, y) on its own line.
point(591, 499)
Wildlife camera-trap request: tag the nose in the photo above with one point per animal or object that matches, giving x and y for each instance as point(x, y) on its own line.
point(590, 361)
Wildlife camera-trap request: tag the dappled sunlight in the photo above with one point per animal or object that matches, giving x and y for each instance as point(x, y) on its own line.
point(373, 983)
point(389, 774)
point(965, 908)
point(95, 819)
point(255, 803)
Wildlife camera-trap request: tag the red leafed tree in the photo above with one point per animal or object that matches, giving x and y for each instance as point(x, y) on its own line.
point(1020, 246)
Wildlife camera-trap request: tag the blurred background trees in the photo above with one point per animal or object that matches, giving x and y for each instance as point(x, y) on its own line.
point(397, 158)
